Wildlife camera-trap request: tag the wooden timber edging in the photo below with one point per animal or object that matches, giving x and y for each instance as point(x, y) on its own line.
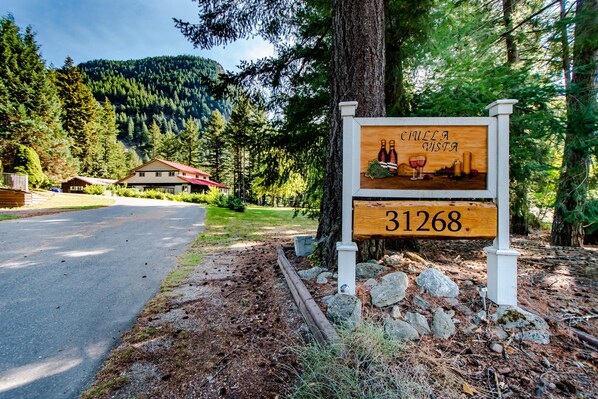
point(318, 324)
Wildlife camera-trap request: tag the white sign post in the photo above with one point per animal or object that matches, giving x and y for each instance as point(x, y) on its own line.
point(501, 259)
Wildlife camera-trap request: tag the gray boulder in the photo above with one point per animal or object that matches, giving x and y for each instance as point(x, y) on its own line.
point(393, 260)
point(344, 310)
point(537, 336)
point(391, 290)
point(369, 270)
point(515, 318)
point(370, 282)
point(419, 322)
point(400, 330)
point(443, 326)
point(323, 277)
point(437, 284)
point(311, 273)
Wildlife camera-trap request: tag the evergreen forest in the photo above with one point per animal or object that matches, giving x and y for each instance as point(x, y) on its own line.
point(271, 131)
point(167, 90)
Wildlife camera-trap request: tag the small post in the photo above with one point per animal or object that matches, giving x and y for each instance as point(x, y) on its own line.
point(501, 258)
point(346, 248)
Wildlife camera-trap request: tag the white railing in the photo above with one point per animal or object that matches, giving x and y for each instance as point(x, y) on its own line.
point(15, 181)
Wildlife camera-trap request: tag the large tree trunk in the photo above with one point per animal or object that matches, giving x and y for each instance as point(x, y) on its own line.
point(519, 192)
point(572, 193)
point(357, 68)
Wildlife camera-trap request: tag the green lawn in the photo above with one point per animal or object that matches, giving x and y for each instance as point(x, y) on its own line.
point(8, 217)
point(225, 227)
point(71, 201)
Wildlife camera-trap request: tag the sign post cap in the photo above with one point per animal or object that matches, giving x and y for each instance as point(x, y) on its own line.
point(348, 108)
point(501, 107)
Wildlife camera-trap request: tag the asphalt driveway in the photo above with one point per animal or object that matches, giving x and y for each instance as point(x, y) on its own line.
point(72, 283)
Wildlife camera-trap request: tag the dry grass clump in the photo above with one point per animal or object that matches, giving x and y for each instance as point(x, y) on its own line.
point(366, 364)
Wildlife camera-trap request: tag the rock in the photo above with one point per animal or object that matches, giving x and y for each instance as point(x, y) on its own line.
point(452, 301)
point(419, 322)
point(515, 318)
point(311, 273)
point(450, 312)
point(442, 325)
point(464, 309)
point(369, 270)
point(537, 336)
point(400, 330)
point(468, 282)
point(372, 261)
point(496, 348)
point(370, 282)
point(391, 290)
point(393, 260)
point(421, 302)
point(327, 299)
point(323, 277)
point(500, 333)
point(437, 283)
point(415, 257)
point(344, 310)
point(471, 329)
point(395, 313)
point(479, 317)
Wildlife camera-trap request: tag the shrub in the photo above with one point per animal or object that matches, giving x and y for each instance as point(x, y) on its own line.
point(26, 161)
point(235, 204)
point(95, 189)
point(153, 194)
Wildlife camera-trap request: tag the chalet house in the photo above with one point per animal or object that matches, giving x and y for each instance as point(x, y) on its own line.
point(170, 177)
point(78, 183)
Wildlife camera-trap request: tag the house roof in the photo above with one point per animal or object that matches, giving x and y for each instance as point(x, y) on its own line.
point(181, 167)
point(94, 180)
point(176, 165)
point(202, 182)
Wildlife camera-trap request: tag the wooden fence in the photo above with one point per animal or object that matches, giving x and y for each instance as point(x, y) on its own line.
point(15, 181)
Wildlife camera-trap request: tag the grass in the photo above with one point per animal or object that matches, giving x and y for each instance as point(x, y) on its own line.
point(226, 227)
point(8, 217)
point(71, 201)
point(363, 364)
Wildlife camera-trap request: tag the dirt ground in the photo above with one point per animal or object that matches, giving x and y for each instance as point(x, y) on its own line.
point(560, 284)
point(226, 332)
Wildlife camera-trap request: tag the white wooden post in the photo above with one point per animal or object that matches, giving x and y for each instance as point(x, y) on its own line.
point(501, 258)
point(346, 248)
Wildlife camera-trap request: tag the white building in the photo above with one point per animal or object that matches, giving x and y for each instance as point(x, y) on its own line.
point(170, 177)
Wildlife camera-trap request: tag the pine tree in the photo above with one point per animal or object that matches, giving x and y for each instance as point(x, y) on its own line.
point(216, 154)
point(78, 110)
point(189, 138)
point(30, 109)
point(155, 136)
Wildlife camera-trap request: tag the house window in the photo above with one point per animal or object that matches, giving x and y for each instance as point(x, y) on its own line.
point(76, 188)
point(141, 174)
point(158, 174)
point(171, 173)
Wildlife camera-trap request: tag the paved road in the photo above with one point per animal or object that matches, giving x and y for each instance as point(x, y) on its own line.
point(72, 283)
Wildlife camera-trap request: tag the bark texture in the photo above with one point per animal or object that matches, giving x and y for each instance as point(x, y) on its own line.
point(357, 68)
point(572, 194)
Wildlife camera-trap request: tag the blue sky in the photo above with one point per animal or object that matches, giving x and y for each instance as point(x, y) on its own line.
point(118, 30)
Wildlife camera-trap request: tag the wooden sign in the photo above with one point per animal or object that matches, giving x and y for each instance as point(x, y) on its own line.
point(424, 157)
point(424, 219)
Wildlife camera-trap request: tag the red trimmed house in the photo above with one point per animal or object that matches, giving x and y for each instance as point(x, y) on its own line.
point(170, 177)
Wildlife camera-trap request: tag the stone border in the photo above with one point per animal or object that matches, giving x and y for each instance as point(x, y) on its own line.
point(318, 324)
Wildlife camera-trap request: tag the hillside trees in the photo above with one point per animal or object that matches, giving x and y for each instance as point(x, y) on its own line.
point(167, 90)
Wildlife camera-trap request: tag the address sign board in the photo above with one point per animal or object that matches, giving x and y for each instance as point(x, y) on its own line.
point(417, 178)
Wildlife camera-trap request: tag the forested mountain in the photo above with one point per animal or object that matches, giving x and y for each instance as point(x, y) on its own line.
point(167, 90)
